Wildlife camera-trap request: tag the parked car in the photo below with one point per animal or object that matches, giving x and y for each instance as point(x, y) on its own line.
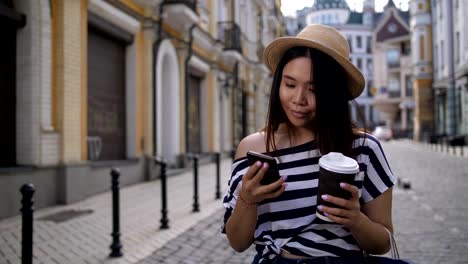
point(383, 133)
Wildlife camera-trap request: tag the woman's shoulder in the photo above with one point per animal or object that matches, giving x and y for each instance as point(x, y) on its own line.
point(255, 142)
point(367, 141)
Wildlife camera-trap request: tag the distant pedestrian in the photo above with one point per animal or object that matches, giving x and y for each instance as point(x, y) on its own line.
point(309, 116)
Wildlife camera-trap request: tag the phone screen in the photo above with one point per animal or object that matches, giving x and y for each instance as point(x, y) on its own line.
point(272, 174)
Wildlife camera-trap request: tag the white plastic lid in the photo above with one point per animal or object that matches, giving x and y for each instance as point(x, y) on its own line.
point(337, 162)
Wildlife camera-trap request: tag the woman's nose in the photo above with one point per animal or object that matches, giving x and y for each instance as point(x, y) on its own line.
point(299, 96)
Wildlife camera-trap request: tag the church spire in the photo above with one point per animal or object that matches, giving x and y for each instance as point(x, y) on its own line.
point(389, 4)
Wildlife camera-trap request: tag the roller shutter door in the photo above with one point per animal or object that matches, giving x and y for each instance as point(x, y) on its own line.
point(106, 94)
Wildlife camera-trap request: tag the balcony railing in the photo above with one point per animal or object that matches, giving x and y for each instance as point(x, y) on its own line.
point(192, 4)
point(229, 34)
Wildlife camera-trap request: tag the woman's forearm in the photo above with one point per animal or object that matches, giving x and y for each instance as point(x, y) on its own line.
point(240, 227)
point(371, 236)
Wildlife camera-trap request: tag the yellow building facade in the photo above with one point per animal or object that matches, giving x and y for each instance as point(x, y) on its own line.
point(422, 61)
point(100, 84)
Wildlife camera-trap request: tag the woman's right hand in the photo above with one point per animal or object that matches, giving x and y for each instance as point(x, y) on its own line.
point(254, 192)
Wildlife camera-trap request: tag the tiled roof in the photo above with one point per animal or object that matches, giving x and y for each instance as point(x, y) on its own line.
point(355, 18)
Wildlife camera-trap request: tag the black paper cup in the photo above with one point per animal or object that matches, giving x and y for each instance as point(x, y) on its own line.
point(335, 168)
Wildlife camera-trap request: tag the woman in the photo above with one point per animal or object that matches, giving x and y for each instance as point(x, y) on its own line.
point(308, 117)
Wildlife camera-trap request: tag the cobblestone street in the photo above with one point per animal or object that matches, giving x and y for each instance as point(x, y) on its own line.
point(202, 243)
point(429, 219)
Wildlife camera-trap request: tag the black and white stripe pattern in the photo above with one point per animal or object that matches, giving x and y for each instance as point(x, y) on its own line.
point(289, 222)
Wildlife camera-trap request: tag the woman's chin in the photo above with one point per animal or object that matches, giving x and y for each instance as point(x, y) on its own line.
point(300, 122)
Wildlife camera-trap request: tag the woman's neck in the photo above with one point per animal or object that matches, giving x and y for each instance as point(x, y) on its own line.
point(285, 137)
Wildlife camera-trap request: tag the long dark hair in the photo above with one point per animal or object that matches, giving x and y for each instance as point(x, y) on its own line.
point(332, 126)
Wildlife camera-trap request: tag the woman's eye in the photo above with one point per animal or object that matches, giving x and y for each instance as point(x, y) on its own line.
point(290, 85)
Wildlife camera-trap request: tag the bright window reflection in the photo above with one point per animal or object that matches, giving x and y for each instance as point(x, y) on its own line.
point(393, 58)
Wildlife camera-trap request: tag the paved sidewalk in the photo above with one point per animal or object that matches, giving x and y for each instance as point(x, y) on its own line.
point(86, 239)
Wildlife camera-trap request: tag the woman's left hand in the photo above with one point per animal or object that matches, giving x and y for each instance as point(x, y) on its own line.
point(350, 215)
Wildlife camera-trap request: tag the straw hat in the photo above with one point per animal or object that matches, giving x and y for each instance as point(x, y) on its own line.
point(325, 39)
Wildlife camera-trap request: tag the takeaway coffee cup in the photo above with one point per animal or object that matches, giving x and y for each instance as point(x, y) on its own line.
point(334, 169)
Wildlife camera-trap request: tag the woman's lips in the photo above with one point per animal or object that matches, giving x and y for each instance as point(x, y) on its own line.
point(300, 115)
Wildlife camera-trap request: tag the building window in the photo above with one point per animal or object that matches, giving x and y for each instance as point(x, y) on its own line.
point(359, 41)
point(421, 47)
point(393, 58)
point(440, 11)
point(436, 59)
point(370, 88)
point(394, 88)
point(409, 86)
point(369, 66)
point(420, 6)
point(369, 44)
point(359, 63)
point(405, 48)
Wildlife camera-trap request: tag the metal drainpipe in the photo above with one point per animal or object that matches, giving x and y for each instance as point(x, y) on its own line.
point(233, 102)
point(186, 79)
point(155, 55)
point(451, 91)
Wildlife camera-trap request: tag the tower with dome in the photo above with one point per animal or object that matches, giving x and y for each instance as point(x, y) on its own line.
point(357, 28)
point(373, 38)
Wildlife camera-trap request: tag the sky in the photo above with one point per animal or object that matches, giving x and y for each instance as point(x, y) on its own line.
point(289, 7)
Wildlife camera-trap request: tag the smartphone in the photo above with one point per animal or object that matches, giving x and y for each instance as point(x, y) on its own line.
point(272, 174)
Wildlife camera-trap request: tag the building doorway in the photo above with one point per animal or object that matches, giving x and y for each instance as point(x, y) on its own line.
point(10, 21)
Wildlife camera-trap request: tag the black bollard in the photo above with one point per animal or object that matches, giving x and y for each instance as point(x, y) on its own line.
point(116, 246)
point(196, 207)
point(164, 219)
point(218, 160)
point(27, 190)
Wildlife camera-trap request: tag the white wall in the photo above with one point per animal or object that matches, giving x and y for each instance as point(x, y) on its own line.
point(167, 102)
point(37, 142)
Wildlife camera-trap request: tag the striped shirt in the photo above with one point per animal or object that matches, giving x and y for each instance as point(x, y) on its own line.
point(288, 222)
